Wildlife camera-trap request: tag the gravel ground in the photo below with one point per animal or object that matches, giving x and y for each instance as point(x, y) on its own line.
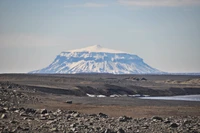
point(23, 110)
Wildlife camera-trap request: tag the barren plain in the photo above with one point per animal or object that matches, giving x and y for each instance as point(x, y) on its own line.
point(60, 103)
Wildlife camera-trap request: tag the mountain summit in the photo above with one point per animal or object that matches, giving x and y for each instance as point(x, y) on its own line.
point(96, 59)
point(96, 49)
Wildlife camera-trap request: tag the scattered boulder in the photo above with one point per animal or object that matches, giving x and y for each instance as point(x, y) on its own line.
point(124, 118)
point(73, 129)
point(2, 110)
point(157, 118)
point(76, 115)
point(12, 109)
point(4, 116)
point(143, 79)
point(71, 111)
point(108, 131)
point(103, 115)
point(93, 115)
point(25, 129)
point(43, 111)
point(51, 122)
point(120, 130)
point(187, 121)
point(53, 130)
point(43, 118)
point(167, 120)
point(30, 110)
point(174, 125)
point(73, 125)
point(22, 109)
point(137, 79)
point(69, 102)
point(23, 114)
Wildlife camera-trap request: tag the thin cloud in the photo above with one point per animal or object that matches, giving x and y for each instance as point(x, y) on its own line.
point(32, 40)
point(157, 3)
point(97, 5)
point(10, 40)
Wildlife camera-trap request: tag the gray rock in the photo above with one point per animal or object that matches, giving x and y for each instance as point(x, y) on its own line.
point(4, 116)
point(93, 115)
point(145, 126)
point(167, 120)
point(53, 130)
point(23, 114)
point(71, 111)
point(69, 102)
point(187, 121)
point(124, 118)
point(22, 109)
point(157, 118)
point(14, 122)
point(25, 118)
point(120, 131)
point(43, 111)
point(144, 79)
point(25, 129)
point(174, 125)
point(43, 118)
point(68, 116)
point(14, 130)
point(97, 128)
point(45, 115)
point(59, 111)
point(76, 115)
point(2, 110)
point(103, 115)
point(17, 111)
point(30, 110)
point(107, 131)
point(73, 125)
point(13, 109)
point(73, 129)
point(50, 122)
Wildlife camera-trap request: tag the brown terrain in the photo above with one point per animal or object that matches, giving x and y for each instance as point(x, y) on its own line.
point(66, 95)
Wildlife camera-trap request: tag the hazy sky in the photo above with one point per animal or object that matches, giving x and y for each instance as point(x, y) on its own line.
point(165, 33)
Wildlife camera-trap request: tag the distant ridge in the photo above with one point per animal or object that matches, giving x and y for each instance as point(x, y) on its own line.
point(97, 59)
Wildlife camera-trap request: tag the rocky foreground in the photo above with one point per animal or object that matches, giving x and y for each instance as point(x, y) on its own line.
point(15, 117)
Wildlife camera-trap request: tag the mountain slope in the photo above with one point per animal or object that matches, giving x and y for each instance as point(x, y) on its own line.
point(96, 59)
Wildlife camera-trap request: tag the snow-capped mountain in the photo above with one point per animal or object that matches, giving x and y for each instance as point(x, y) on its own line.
point(96, 59)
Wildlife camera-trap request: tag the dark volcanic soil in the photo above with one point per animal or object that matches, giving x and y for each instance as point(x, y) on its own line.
point(108, 84)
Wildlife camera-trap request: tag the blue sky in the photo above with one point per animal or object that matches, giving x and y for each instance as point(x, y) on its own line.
point(165, 33)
